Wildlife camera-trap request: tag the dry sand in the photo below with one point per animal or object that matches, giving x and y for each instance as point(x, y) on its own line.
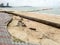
point(47, 17)
point(44, 34)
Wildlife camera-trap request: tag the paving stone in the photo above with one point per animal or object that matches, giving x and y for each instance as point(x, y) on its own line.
point(4, 18)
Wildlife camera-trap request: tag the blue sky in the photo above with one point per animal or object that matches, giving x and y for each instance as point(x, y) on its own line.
point(36, 3)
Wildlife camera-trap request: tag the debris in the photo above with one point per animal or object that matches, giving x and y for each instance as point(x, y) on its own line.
point(33, 29)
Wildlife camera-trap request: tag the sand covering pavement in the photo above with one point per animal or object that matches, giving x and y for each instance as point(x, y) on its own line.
point(44, 34)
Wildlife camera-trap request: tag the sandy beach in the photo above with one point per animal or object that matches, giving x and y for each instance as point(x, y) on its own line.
point(34, 32)
point(43, 34)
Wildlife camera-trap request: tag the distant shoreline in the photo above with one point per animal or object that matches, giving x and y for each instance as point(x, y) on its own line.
point(35, 11)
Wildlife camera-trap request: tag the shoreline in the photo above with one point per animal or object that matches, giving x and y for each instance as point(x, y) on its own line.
point(5, 9)
point(43, 13)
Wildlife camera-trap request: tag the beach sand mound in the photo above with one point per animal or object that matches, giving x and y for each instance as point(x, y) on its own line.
point(33, 32)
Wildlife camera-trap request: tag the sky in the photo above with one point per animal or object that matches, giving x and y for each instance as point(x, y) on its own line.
point(36, 3)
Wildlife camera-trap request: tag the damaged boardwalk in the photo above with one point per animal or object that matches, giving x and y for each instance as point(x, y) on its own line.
point(5, 37)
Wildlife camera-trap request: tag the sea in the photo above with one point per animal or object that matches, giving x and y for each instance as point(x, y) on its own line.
point(44, 10)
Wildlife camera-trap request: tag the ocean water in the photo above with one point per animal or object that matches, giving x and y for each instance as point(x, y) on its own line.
point(55, 11)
